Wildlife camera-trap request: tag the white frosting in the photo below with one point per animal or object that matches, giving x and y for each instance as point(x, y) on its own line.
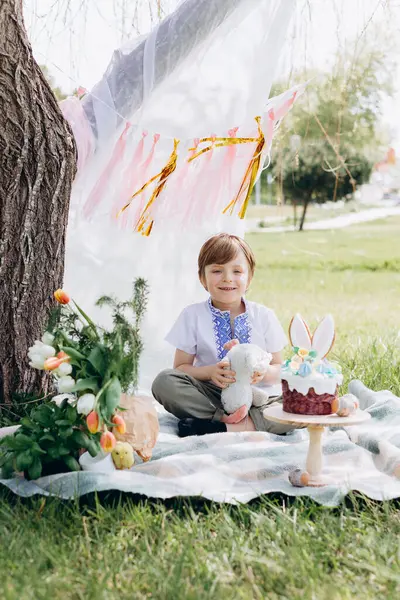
point(320, 383)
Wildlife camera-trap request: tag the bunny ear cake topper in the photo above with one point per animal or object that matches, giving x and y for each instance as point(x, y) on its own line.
point(322, 340)
point(324, 337)
point(299, 333)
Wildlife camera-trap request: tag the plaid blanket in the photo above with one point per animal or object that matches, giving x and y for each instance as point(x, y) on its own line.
point(237, 467)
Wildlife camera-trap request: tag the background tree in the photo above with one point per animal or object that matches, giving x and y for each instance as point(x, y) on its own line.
point(331, 140)
point(38, 163)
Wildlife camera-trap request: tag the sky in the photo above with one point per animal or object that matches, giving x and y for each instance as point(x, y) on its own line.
point(76, 38)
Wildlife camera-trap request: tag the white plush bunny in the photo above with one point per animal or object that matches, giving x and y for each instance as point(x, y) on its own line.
point(244, 359)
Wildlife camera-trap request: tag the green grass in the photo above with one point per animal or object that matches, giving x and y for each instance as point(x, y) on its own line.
point(353, 273)
point(120, 546)
point(133, 549)
point(285, 212)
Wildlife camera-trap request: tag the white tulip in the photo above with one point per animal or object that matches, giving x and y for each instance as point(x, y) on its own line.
point(36, 361)
point(64, 369)
point(47, 338)
point(86, 404)
point(41, 349)
point(47, 351)
point(65, 384)
point(35, 349)
point(60, 397)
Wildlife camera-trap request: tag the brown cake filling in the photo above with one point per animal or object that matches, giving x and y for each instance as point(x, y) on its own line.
point(311, 404)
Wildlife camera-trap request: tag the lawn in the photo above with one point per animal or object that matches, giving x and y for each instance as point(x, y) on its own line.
point(275, 547)
point(273, 214)
point(353, 273)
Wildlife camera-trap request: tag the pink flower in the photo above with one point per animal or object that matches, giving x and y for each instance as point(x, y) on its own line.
point(119, 423)
point(108, 441)
point(61, 296)
point(93, 422)
point(52, 363)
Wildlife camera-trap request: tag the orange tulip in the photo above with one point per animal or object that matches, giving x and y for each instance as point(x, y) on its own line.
point(63, 356)
point(93, 422)
point(108, 441)
point(61, 296)
point(119, 423)
point(52, 363)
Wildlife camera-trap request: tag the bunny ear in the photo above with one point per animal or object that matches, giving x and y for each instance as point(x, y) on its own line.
point(299, 333)
point(324, 336)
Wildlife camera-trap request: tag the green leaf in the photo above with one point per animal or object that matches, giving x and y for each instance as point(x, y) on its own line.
point(106, 301)
point(35, 470)
point(22, 441)
point(74, 354)
point(63, 451)
point(112, 396)
point(7, 468)
point(65, 433)
point(24, 461)
point(90, 383)
point(43, 415)
point(93, 448)
point(70, 413)
point(71, 463)
point(8, 441)
point(86, 317)
point(53, 453)
point(36, 449)
point(97, 359)
point(47, 437)
point(63, 422)
point(71, 343)
point(81, 439)
point(26, 422)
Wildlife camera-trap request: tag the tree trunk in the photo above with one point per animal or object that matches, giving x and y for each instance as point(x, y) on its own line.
point(303, 215)
point(38, 164)
point(294, 213)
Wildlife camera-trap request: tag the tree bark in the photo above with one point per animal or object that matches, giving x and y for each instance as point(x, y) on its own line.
point(294, 213)
point(307, 200)
point(38, 164)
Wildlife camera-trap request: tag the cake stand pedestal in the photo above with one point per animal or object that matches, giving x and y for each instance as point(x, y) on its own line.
point(315, 426)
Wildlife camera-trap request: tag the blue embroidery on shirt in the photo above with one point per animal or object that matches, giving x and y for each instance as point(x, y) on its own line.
point(223, 331)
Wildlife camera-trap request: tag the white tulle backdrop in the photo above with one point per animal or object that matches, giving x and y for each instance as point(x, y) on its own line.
point(223, 82)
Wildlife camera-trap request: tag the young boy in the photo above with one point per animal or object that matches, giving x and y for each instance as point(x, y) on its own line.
point(204, 333)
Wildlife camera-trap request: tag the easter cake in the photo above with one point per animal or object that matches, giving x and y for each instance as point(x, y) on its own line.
point(310, 383)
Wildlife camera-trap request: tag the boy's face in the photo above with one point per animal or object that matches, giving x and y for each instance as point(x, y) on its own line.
point(228, 283)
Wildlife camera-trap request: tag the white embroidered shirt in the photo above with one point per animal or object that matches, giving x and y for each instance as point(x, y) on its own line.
point(202, 330)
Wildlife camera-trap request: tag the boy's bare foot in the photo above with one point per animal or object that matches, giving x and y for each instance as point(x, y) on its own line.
point(235, 417)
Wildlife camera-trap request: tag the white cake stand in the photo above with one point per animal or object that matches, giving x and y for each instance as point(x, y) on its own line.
point(315, 426)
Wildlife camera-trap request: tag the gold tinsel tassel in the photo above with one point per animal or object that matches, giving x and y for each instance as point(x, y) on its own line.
point(145, 223)
point(250, 175)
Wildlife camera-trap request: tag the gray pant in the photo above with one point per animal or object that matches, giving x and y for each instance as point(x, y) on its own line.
point(184, 396)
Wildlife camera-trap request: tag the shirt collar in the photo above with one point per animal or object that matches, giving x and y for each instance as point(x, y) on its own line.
point(226, 313)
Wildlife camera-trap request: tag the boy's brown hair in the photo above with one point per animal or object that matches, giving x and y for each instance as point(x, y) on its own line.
point(221, 249)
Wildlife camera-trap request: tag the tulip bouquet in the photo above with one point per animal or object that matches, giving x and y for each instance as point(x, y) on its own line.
point(91, 368)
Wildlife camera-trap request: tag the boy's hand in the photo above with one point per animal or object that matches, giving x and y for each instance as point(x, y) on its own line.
point(221, 375)
point(229, 345)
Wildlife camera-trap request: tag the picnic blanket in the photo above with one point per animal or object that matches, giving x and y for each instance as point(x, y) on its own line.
point(237, 467)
